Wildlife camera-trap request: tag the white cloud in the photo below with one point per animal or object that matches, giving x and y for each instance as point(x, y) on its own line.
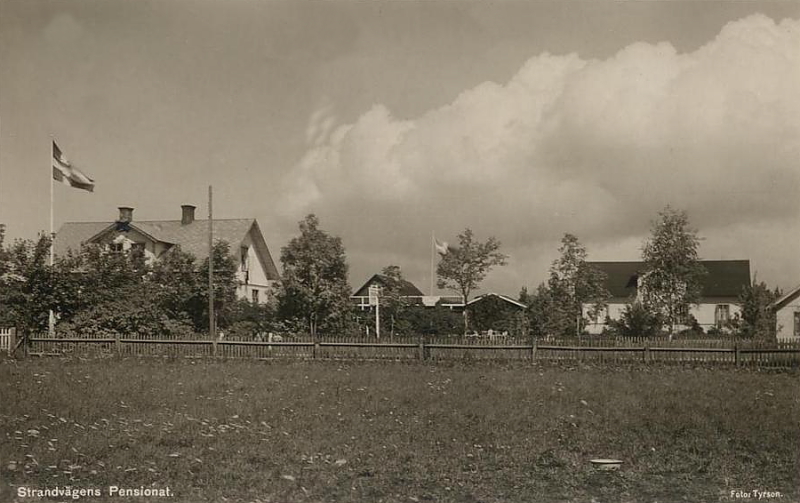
point(591, 147)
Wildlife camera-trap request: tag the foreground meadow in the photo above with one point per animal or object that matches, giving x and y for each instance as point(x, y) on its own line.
point(284, 432)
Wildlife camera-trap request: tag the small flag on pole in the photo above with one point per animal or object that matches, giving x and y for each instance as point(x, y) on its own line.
point(66, 173)
point(441, 247)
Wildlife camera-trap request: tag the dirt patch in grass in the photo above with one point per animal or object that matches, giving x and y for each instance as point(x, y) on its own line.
point(284, 432)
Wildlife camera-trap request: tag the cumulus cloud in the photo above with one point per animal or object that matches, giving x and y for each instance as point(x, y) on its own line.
point(593, 147)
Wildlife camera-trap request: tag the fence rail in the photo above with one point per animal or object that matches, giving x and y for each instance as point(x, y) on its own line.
point(601, 350)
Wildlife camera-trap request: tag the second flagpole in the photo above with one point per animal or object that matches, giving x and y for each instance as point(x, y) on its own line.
point(433, 255)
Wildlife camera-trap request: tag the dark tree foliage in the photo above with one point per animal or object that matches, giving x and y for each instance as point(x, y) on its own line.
point(574, 283)
point(225, 283)
point(252, 320)
point(314, 286)
point(637, 320)
point(106, 294)
point(556, 308)
point(433, 321)
point(26, 284)
point(757, 319)
point(493, 313)
point(546, 314)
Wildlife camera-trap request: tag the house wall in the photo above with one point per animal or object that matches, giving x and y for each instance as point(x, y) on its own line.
point(704, 313)
point(786, 329)
point(256, 277)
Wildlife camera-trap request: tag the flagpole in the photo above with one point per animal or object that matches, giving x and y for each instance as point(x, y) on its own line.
point(212, 329)
point(51, 325)
point(52, 197)
point(433, 254)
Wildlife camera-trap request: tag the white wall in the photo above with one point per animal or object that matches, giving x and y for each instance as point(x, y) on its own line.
point(704, 313)
point(257, 277)
point(129, 238)
point(785, 322)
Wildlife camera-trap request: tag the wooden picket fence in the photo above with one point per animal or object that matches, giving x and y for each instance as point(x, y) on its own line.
point(501, 348)
point(7, 340)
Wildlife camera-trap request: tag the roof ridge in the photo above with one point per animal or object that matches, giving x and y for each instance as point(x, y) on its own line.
point(109, 222)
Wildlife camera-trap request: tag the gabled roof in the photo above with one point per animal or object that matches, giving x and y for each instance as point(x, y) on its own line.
point(786, 298)
point(192, 238)
point(502, 297)
point(407, 288)
point(724, 278)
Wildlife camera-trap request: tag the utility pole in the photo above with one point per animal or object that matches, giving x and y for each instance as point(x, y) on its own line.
point(212, 328)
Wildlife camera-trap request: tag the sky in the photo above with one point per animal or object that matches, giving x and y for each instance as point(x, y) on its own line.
point(392, 121)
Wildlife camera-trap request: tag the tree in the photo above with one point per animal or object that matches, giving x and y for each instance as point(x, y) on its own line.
point(26, 284)
point(463, 269)
point(225, 283)
point(393, 303)
point(672, 278)
point(757, 318)
point(179, 287)
point(103, 292)
point(314, 285)
point(574, 283)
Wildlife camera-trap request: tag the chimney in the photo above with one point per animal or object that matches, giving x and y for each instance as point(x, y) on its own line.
point(125, 214)
point(187, 214)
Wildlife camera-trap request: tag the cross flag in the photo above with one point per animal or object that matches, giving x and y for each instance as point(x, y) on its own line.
point(66, 173)
point(441, 247)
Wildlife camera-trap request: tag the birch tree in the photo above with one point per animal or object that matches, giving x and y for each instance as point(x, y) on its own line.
point(672, 278)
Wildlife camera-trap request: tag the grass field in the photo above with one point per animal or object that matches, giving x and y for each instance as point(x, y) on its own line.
point(308, 432)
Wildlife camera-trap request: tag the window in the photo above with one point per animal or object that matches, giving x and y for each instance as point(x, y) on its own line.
point(255, 294)
point(722, 315)
point(115, 247)
point(797, 323)
point(243, 257)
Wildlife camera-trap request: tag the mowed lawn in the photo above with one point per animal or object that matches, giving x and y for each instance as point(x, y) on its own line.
point(326, 431)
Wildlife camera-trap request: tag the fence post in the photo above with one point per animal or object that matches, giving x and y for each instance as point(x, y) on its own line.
point(315, 350)
point(421, 347)
point(736, 354)
point(533, 350)
point(12, 341)
point(118, 344)
point(646, 353)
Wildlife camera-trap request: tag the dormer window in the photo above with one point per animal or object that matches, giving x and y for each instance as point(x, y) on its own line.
point(243, 258)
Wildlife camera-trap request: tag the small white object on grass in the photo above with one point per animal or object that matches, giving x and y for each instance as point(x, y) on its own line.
point(607, 464)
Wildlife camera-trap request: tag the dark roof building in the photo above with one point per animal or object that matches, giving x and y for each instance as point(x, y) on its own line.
point(724, 278)
point(407, 288)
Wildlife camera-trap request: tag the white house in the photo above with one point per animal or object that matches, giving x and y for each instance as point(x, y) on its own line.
point(256, 270)
point(787, 311)
point(719, 301)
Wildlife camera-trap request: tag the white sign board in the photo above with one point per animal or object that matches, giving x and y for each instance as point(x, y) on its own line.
point(373, 295)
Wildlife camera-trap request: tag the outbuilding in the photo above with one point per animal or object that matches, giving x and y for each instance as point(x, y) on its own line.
point(787, 314)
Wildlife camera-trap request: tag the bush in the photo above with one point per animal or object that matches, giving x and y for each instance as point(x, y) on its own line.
point(694, 329)
point(637, 321)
